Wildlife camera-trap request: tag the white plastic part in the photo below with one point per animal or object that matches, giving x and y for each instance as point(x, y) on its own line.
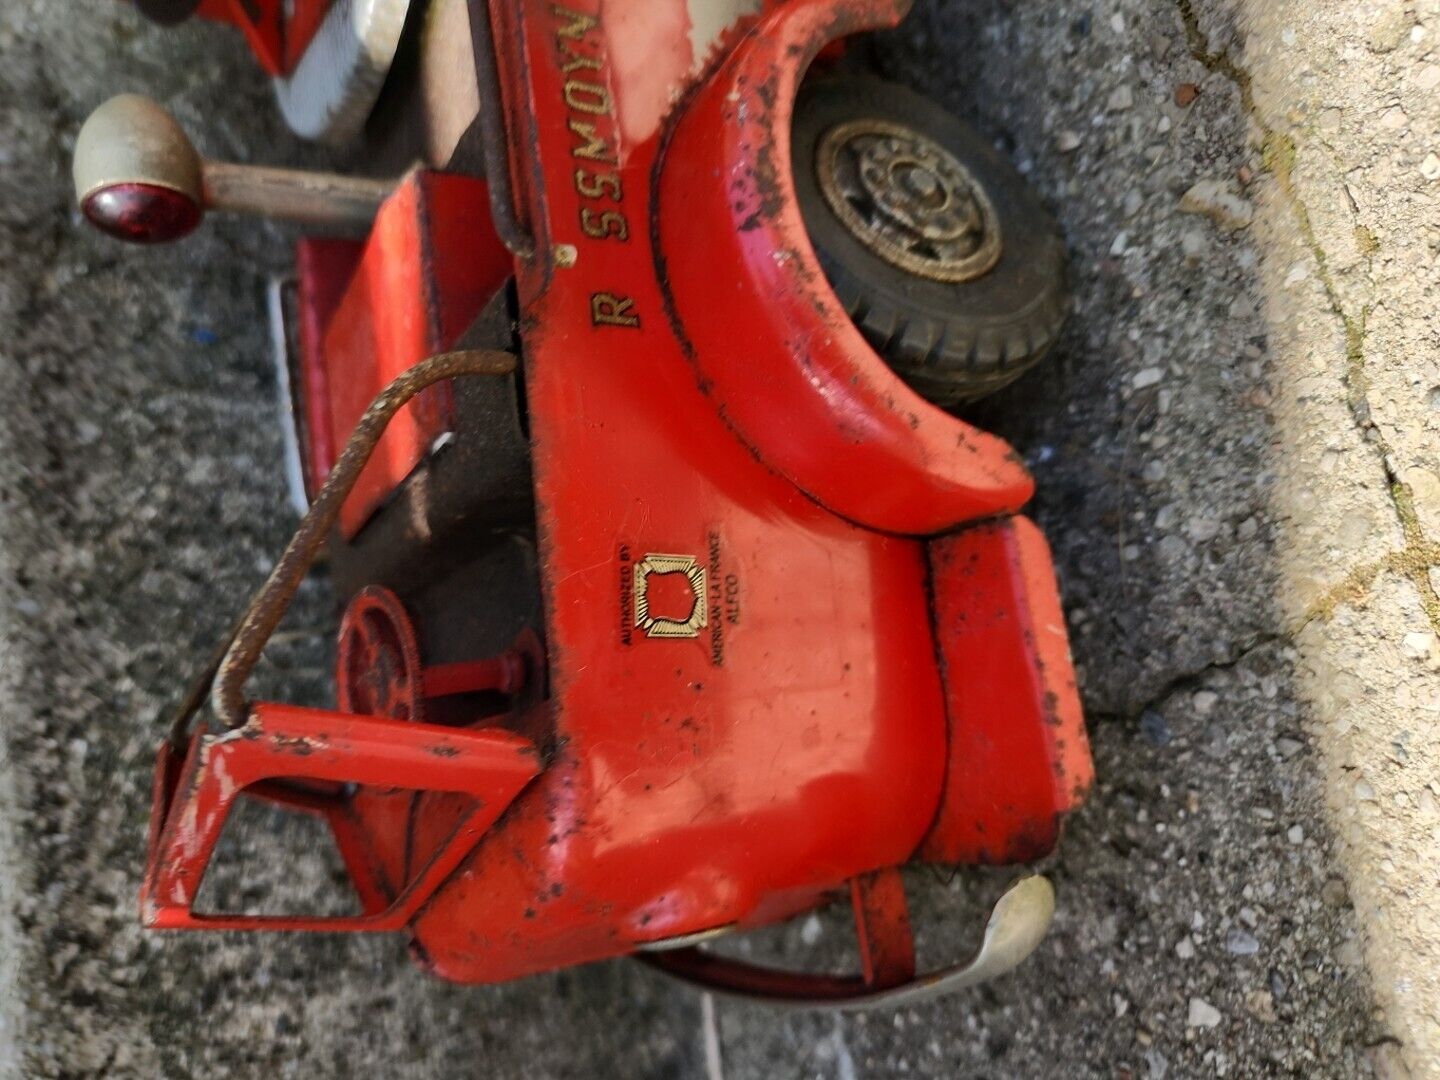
point(332, 90)
point(281, 351)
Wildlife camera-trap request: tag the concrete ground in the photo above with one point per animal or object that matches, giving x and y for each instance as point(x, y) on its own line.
point(1235, 447)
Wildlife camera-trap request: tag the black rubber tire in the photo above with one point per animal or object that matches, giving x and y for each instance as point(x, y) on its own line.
point(953, 342)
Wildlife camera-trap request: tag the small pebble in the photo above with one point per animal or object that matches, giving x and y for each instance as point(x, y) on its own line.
point(1215, 200)
point(1261, 1005)
point(1394, 119)
point(1067, 142)
point(1278, 987)
point(1192, 246)
point(1420, 644)
point(1239, 942)
point(1335, 894)
point(1185, 948)
point(1392, 27)
point(1147, 377)
point(1430, 167)
point(1154, 728)
point(1202, 1014)
point(1121, 98)
point(1202, 529)
point(1288, 748)
point(1185, 93)
point(1295, 834)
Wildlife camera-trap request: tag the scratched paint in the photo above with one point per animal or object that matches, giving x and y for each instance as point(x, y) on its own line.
point(654, 50)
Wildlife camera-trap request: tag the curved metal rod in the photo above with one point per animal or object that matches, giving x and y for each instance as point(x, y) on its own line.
point(1017, 924)
point(226, 674)
point(493, 143)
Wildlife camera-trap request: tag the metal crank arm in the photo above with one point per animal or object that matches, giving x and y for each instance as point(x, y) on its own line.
point(1017, 924)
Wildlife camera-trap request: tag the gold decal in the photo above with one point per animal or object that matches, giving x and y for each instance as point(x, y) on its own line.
point(598, 185)
point(627, 585)
point(587, 97)
point(605, 223)
point(607, 309)
point(659, 627)
point(575, 62)
point(594, 148)
point(577, 25)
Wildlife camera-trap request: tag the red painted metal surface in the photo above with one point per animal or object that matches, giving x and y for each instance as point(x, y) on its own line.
point(793, 735)
point(378, 670)
point(377, 663)
point(324, 268)
point(737, 501)
point(390, 760)
point(882, 928)
point(430, 264)
point(1019, 759)
point(277, 38)
point(792, 375)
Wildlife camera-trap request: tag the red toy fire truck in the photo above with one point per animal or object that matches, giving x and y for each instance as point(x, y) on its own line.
point(675, 603)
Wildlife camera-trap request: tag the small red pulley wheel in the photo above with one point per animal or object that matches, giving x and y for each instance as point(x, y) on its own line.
point(378, 663)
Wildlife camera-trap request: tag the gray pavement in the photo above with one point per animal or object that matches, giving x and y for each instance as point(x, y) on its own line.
point(1205, 925)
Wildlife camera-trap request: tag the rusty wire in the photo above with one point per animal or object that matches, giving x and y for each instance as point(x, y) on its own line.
point(229, 669)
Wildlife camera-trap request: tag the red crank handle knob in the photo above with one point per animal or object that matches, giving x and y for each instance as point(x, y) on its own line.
point(138, 177)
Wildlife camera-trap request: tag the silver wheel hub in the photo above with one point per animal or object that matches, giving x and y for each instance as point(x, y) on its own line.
point(908, 199)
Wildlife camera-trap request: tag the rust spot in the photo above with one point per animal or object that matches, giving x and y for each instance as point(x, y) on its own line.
point(298, 745)
point(1050, 705)
point(1032, 840)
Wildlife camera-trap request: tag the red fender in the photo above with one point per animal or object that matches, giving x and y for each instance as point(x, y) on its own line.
point(793, 377)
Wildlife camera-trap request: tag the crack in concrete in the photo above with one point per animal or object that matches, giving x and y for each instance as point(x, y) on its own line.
point(1278, 157)
point(1187, 680)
